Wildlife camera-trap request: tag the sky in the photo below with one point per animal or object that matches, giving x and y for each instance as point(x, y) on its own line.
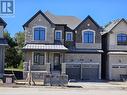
point(102, 11)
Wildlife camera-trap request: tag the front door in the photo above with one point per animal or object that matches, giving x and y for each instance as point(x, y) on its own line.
point(57, 65)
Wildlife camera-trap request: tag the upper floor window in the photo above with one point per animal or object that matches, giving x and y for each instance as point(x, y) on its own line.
point(88, 36)
point(39, 33)
point(58, 35)
point(122, 39)
point(69, 36)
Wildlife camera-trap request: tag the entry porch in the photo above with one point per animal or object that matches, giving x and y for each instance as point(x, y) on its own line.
point(45, 59)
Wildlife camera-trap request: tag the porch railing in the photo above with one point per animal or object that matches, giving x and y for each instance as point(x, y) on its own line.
point(45, 67)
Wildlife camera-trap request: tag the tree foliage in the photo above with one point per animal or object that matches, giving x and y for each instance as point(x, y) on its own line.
point(13, 53)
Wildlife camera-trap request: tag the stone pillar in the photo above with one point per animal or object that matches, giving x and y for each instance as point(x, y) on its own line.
point(25, 66)
point(48, 67)
point(63, 68)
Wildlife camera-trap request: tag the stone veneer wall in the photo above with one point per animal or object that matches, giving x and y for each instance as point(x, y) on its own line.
point(39, 21)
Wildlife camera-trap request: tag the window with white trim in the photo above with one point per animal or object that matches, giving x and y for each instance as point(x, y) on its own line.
point(122, 39)
point(69, 36)
point(88, 36)
point(39, 33)
point(58, 35)
point(38, 58)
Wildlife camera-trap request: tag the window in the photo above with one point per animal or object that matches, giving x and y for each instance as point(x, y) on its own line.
point(88, 37)
point(58, 35)
point(39, 58)
point(39, 33)
point(122, 39)
point(69, 36)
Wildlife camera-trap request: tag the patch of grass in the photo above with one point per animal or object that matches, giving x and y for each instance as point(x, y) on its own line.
point(13, 69)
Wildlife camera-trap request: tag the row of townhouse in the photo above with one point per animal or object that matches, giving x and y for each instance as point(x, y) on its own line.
point(81, 49)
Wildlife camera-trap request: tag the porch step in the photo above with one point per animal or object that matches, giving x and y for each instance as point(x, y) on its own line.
point(55, 73)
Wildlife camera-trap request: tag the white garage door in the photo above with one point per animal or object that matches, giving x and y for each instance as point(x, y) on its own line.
point(117, 70)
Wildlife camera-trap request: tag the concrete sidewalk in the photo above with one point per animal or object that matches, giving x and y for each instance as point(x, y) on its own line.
point(100, 85)
point(85, 85)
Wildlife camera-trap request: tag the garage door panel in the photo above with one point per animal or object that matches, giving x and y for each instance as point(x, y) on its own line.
point(90, 73)
point(117, 71)
point(73, 71)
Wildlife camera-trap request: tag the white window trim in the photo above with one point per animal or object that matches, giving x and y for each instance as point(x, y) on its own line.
point(60, 34)
point(42, 27)
point(71, 36)
point(83, 35)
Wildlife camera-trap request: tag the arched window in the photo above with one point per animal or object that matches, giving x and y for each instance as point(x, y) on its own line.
point(88, 36)
point(39, 33)
point(122, 39)
point(38, 58)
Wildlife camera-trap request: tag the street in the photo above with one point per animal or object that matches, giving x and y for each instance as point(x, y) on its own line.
point(60, 91)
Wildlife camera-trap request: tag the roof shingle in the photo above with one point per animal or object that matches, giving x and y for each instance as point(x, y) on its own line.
point(71, 21)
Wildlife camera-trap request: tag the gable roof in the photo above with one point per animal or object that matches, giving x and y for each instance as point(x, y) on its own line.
point(39, 12)
point(112, 25)
point(3, 22)
point(70, 21)
point(88, 17)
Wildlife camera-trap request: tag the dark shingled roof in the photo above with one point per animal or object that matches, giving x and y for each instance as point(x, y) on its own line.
point(89, 17)
point(3, 22)
point(39, 12)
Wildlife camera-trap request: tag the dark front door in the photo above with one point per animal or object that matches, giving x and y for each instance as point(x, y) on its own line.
point(57, 65)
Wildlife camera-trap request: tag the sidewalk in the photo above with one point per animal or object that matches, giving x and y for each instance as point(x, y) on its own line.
point(71, 85)
point(100, 85)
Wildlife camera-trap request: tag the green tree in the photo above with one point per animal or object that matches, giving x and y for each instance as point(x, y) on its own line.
point(13, 53)
point(20, 38)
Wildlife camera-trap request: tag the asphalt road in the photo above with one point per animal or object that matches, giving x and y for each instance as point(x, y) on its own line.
point(60, 91)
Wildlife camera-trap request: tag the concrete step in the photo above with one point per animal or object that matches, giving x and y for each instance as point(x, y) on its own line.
point(55, 72)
